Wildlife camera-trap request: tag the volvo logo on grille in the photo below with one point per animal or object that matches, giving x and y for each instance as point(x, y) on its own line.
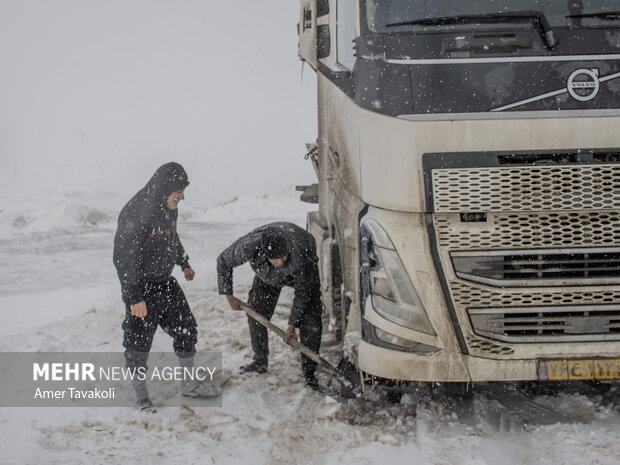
point(583, 84)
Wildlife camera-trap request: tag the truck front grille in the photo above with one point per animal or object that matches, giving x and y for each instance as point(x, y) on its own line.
point(557, 267)
point(547, 324)
point(536, 315)
point(527, 188)
point(529, 244)
point(530, 230)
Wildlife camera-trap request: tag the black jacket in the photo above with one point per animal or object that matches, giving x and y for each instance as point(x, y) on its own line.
point(146, 245)
point(300, 271)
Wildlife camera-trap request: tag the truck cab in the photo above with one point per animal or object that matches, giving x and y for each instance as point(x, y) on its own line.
point(468, 164)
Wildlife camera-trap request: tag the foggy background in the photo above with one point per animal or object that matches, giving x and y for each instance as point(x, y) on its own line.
point(95, 95)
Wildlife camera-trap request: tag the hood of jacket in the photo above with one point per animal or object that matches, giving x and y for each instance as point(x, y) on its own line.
point(167, 179)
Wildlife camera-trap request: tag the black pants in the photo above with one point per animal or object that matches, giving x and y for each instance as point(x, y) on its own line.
point(166, 306)
point(263, 299)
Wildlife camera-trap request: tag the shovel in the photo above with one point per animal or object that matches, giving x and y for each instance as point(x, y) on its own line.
point(345, 369)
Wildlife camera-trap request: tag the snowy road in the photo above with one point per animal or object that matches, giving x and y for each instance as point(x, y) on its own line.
point(59, 292)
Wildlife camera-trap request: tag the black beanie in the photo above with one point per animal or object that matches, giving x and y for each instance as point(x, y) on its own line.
point(274, 243)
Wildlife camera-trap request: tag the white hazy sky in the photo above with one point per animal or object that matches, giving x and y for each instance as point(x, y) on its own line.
point(96, 94)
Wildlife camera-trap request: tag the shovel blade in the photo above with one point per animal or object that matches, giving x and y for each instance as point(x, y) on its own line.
point(345, 371)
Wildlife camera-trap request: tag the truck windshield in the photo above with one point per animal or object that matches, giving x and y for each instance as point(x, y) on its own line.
point(421, 16)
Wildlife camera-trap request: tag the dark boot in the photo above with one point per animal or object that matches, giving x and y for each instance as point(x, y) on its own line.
point(254, 367)
point(311, 382)
point(145, 405)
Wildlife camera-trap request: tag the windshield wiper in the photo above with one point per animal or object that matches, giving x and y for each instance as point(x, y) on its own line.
point(601, 15)
point(508, 17)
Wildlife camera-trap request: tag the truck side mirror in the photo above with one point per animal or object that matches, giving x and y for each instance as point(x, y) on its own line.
point(307, 30)
point(323, 41)
point(318, 37)
point(322, 7)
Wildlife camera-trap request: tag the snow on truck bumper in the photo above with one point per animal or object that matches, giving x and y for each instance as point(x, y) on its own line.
point(443, 366)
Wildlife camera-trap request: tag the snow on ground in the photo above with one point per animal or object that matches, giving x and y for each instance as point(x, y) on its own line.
point(59, 292)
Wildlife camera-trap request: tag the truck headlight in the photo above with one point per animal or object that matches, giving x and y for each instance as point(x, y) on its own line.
point(404, 344)
point(385, 279)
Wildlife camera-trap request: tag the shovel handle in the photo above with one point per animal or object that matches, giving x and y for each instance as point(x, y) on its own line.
point(294, 342)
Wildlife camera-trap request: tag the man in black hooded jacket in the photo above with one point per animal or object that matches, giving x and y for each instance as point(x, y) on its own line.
point(281, 254)
point(146, 249)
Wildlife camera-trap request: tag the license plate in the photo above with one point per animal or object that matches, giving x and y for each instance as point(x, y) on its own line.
point(567, 370)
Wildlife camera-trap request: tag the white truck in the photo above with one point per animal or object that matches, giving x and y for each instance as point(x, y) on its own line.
point(468, 163)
